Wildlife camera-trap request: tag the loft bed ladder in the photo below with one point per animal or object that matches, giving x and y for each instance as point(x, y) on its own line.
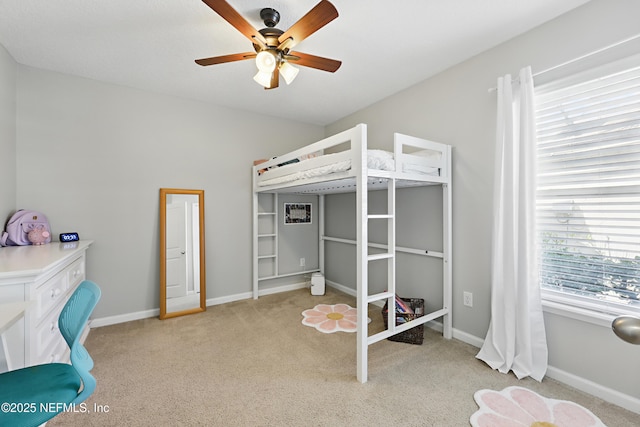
point(264, 236)
point(364, 258)
point(363, 297)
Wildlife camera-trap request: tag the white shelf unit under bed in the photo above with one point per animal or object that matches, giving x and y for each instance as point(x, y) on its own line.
point(414, 162)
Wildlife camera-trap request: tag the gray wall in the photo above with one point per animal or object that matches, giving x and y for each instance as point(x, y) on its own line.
point(295, 241)
point(8, 69)
point(93, 156)
point(418, 226)
point(455, 107)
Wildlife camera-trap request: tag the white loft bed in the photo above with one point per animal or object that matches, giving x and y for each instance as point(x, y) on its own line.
point(414, 162)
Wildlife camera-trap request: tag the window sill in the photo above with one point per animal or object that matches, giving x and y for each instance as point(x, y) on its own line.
point(577, 313)
point(596, 312)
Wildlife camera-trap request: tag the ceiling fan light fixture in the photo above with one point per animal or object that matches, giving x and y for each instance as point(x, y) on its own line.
point(272, 45)
point(289, 72)
point(266, 61)
point(263, 79)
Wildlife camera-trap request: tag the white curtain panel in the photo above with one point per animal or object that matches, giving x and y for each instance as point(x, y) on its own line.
point(516, 340)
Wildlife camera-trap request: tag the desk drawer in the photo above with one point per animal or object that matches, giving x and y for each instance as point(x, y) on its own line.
point(75, 273)
point(47, 336)
point(49, 295)
point(56, 352)
point(56, 290)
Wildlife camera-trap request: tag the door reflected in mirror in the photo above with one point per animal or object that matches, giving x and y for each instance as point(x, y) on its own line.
point(182, 272)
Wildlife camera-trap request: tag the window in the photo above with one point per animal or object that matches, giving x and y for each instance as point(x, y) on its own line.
point(588, 194)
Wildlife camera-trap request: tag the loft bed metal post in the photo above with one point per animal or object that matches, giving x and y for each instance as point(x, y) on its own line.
point(391, 249)
point(447, 327)
point(276, 231)
point(321, 233)
point(359, 167)
point(255, 233)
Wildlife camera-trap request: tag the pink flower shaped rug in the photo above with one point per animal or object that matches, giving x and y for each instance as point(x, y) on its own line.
point(331, 318)
point(517, 406)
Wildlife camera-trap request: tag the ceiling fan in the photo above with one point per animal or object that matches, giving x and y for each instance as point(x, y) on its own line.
point(273, 46)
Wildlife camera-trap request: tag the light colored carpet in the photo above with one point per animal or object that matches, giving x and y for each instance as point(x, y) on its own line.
point(253, 363)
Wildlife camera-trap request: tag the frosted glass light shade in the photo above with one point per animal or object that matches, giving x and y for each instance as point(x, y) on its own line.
point(263, 78)
point(289, 72)
point(266, 62)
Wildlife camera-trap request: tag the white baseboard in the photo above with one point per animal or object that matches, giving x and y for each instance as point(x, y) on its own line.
point(341, 288)
point(617, 398)
point(628, 402)
point(122, 318)
point(229, 298)
point(146, 314)
point(283, 288)
point(467, 338)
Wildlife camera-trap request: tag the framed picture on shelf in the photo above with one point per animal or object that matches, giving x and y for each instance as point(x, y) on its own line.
point(297, 213)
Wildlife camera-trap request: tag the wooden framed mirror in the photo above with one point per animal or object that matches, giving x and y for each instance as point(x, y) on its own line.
point(182, 262)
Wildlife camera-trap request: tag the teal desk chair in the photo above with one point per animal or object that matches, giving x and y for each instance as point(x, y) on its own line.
point(33, 395)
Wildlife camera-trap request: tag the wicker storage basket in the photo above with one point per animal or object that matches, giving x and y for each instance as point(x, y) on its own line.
point(414, 335)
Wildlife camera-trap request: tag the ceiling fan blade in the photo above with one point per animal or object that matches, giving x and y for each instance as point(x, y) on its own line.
point(232, 16)
point(323, 13)
point(318, 62)
point(225, 58)
point(275, 79)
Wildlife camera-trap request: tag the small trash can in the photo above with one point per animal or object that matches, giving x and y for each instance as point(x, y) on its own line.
point(317, 284)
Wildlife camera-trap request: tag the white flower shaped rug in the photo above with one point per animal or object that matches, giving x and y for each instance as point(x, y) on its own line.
point(517, 406)
point(331, 318)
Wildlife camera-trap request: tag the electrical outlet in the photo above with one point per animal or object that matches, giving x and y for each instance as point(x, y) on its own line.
point(468, 299)
point(302, 262)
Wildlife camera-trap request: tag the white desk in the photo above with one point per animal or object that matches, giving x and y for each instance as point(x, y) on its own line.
point(10, 313)
point(45, 275)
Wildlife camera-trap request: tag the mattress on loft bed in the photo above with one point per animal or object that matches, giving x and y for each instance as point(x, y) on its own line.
point(421, 163)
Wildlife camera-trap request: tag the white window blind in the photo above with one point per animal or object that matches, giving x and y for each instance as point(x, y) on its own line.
point(588, 191)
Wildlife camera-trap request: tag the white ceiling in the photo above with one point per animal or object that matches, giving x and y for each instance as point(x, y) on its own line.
point(384, 46)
